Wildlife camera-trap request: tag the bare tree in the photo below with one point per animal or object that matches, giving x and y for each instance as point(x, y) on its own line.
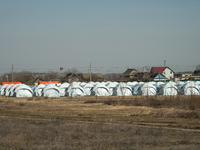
point(24, 77)
point(198, 67)
point(147, 68)
point(72, 70)
point(51, 76)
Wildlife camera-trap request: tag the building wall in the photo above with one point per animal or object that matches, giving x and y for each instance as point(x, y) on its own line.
point(168, 73)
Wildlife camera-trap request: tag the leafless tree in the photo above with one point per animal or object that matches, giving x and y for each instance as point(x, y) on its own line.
point(24, 77)
point(147, 68)
point(50, 76)
point(198, 67)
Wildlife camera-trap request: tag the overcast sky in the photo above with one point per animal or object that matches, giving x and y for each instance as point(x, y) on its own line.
point(43, 35)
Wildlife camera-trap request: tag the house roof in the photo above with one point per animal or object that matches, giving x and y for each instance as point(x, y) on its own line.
point(128, 72)
point(87, 75)
point(158, 69)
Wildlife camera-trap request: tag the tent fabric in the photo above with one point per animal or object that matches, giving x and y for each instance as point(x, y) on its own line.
point(132, 83)
point(169, 89)
point(12, 89)
point(111, 87)
point(3, 88)
point(148, 89)
point(63, 88)
point(123, 90)
point(75, 90)
point(87, 88)
point(23, 91)
point(100, 90)
point(190, 88)
point(3, 83)
point(38, 90)
point(135, 89)
point(7, 89)
point(51, 90)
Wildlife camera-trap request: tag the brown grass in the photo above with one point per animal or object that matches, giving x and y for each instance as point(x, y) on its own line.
point(134, 122)
point(62, 134)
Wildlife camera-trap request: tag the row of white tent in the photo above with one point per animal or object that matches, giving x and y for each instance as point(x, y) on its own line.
point(102, 89)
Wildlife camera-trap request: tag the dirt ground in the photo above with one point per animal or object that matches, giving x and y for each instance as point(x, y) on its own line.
point(107, 111)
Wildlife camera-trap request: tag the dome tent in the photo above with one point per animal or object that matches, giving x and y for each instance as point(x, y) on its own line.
point(82, 84)
point(51, 90)
point(136, 88)
point(23, 91)
point(100, 90)
point(12, 89)
point(7, 89)
point(169, 89)
point(63, 88)
point(123, 90)
point(111, 86)
point(75, 90)
point(3, 89)
point(190, 88)
point(148, 89)
point(38, 90)
point(87, 88)
point(158, 85)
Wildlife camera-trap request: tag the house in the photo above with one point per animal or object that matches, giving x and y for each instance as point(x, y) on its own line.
point(140, 76)
point(94, 77)
point(71, 77)
point(166, 71)
point(158, 77)
point(182, 76)
point(134, 75)
point(126, 76)
point(81, 77)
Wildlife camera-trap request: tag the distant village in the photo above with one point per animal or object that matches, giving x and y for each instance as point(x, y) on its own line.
point(154, 74)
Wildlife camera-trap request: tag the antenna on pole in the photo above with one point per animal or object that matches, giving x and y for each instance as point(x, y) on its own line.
point(12, 72)
point(164, 63)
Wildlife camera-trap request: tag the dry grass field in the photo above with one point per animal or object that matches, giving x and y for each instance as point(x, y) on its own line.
point(96, 123)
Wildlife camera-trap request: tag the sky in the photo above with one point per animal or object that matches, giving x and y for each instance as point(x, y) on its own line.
point(112, 35)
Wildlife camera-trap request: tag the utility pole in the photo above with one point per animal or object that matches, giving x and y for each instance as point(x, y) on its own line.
point(12, 72)
point(90, 72)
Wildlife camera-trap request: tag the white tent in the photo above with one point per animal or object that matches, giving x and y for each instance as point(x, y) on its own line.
point(12, 89)
point(87, 88)
point(63, 88)
point(197, 82)
point(132, 83)
point(123, 90)
point(75, 90)
point(148, 89)
point(51, 90)
point(38, 90)
point(23, 91)
point(3, 89)
point(141, 83)
point(191, 88)
point(111, 86)
point(82, 84)
point(7, 89)
point(100, 90)
point(169, 89)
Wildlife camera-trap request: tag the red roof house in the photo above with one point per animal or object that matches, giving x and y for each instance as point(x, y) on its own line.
point(166, 71)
